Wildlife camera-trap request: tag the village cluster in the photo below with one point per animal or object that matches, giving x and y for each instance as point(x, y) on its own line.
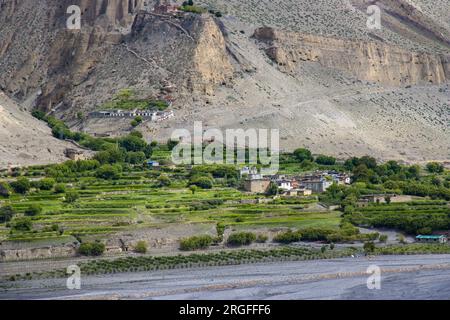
point(295, 185)
point(156, 116)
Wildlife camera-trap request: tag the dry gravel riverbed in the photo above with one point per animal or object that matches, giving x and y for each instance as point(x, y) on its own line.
point(402, 277)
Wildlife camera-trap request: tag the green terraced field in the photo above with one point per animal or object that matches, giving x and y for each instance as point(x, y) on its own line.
point(417, 217)
point(134, 202)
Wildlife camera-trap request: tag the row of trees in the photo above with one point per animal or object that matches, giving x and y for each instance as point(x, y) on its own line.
point(303, 154)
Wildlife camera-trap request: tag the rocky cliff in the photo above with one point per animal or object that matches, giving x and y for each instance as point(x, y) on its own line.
point(371, 61)
point(313, 69)
point(51, 67)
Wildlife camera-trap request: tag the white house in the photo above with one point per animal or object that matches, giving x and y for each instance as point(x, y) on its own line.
point(285, 185)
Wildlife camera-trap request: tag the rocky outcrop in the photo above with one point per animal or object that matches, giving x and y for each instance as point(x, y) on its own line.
point(120, 45)
point(192, 47)
point(371, 61)
point(210, 58)
point(37, 253)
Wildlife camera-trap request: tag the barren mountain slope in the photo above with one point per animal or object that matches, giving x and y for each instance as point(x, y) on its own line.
point(326, 110)
point(25, 140)
point(321, 77)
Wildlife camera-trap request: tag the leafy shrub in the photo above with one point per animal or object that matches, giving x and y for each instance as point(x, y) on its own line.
point(6, 213)
point(33, 210)
point(5, 190)
point(196, 243)
point(220, 228)
point(326, 160)
point(72, 196)
point(435, 167)
point(60, 188)
point(316, 234)
point(141, 247)
point(288, 237)
point(22, 224)
point(135, 157)
point(164, 181)
point(91, 249)
point(261, 238)
point(241, 239)
point(193, 9)
point(46, 184)
point(303, 154)
point(202, 182)
point(21, 185)
point(369, 247)
point(109, 172)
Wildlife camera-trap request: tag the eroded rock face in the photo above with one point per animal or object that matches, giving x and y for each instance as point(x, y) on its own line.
point(371, 61)
point(39, 54)
point(118, 45)
point(210, 58)
point(191, 51)
point(37, 253)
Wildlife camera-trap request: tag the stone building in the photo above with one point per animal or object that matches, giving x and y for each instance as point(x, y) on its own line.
point(257, 185)
point(74, 154)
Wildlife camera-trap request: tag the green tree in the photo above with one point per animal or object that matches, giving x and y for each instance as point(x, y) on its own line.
point(5, 190)
point(196, 243)
point(241, 239)
point(436, 181)
point(326, 160)
point(202, 182)
point(369, 247)
point(60, 188)
point(33, 210)
point(21, 185)
point(171, 144)
point(302, 154)
point(47, 184)
point(91, 248)
point(137, 121)
point(164, 181)
point(272, 190)
point(133, 143)
point(193, 189)
point(22, 224)
point(109, 172)
point(72, 196)
point(136, 157)
point(6, 213)
point(141, 247)
point(435, 167)
point(361, 173)
point(387, 199)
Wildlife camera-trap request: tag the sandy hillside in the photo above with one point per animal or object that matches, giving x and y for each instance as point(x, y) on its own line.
point(24, 140)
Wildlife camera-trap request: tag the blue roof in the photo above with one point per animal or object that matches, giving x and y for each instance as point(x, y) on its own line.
point(430, 237)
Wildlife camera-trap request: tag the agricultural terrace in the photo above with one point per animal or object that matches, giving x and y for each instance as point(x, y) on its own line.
point(137, 200)
point(117, 192)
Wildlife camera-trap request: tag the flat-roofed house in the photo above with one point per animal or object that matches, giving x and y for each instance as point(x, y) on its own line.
point(432, 239)
point(256, 185)
point(317, 186)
